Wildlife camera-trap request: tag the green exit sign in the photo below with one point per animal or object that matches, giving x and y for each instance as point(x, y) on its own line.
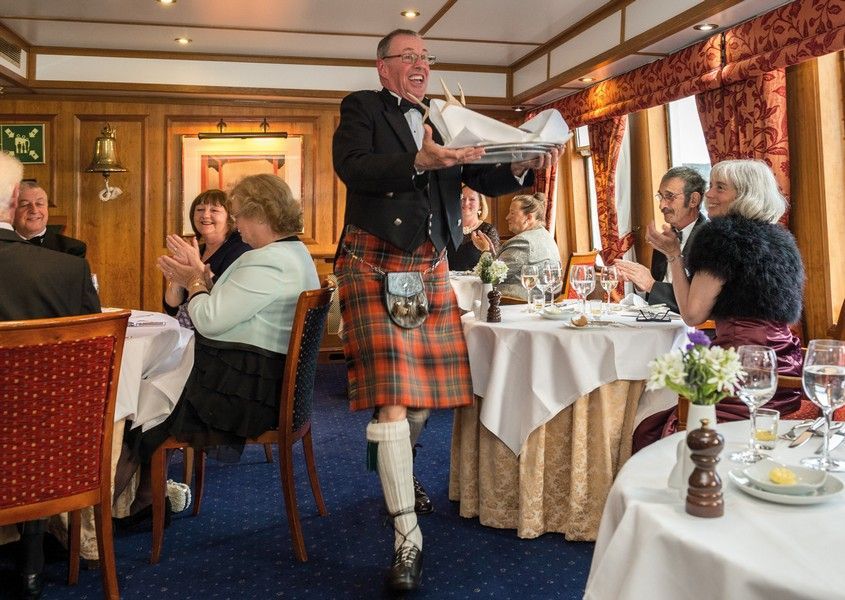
point(24, 141)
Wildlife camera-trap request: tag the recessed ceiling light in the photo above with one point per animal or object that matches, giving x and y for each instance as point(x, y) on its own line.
point(410, 13)
point(183, 41)
point(587, 79)
point(705, 27)
point(518, 108)
point(166, 2)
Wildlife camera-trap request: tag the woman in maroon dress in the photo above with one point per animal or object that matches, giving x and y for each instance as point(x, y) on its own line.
point(745, 272)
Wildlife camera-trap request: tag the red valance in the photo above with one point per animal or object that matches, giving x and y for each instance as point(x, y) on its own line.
point(788, 35)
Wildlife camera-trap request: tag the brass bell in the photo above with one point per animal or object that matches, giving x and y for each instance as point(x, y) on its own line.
point(105, 157)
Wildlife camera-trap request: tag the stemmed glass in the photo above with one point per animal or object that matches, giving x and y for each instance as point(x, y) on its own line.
point(529, 282)
point(757, 385)
point(553, 277)
point(609, 280)
point(824, 383)
point(582, 278)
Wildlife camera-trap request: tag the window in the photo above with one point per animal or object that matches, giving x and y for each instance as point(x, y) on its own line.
point(686, 137)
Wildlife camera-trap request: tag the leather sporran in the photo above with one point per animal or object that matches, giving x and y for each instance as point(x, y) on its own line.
point(404, 295)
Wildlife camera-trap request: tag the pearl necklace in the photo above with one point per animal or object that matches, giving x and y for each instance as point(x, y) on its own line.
point(471, 228)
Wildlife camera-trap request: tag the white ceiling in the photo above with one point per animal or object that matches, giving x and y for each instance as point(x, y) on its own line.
point(486, 34)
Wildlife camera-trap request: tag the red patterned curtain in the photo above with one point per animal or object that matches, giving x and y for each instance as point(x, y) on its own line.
point(747, 119)
point(606, 141)
point(545, 181)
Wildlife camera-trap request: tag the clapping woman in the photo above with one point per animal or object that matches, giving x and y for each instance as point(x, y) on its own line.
point(219, 246)
point(746, 274)
point(473, 212)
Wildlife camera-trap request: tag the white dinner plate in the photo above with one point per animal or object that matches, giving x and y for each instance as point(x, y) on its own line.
point(559, 314)
point(592, 324)
point(806, 480)
point(832, 487)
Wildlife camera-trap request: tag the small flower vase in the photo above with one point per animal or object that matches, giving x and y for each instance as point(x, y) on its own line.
point(486, 288)
point(679, 477)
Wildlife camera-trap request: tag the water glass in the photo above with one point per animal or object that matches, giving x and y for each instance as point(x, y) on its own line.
point(536, 301)
point(823, 381)
point(766, 428)
point(757, 385)
point(582, 278)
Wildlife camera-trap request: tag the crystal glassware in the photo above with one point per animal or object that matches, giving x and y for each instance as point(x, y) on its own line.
point(609, 280)
point(582, 278)
point(757, 385)
point(824, 384)
point(553, 278)
point(528, 276)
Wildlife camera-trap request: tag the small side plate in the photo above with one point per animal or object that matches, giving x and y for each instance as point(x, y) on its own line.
point(832, 487)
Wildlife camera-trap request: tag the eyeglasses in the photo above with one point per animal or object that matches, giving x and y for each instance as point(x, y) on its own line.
point(668, 196)
point(653, 315)
point(411, 58)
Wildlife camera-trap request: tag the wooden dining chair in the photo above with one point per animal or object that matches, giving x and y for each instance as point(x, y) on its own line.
point(294, 424)
point(575, 258)
point(58, 384)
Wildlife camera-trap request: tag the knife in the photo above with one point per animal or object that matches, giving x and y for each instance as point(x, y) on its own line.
point(835, 441)
point(807, 433)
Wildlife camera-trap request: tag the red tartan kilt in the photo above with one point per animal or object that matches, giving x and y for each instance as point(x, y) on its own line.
point(425, 367)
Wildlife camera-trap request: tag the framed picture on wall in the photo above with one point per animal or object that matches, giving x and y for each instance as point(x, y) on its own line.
point(222, 163)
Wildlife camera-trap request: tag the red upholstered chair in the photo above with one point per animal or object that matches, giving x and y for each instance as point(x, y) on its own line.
point(58, 384)
point(309, 324)
point(575, 258)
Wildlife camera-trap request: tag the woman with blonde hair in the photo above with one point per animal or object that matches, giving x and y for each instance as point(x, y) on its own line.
point(532, 244)
point(473, 212)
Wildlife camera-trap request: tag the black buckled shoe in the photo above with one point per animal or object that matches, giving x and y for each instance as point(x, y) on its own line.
point(31, 586)
point(422, 503)
point(406, 570)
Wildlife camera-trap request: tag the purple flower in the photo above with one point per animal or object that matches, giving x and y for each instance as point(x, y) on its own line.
point(697, 338)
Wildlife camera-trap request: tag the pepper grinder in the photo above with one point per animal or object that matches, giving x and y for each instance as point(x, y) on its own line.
point(494, 314)
point(704, 494)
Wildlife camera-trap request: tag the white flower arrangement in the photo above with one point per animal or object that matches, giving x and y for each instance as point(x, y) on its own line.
point(704, 374)
point(489, 270)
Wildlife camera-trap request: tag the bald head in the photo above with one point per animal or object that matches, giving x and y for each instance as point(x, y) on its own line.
point(11, 171)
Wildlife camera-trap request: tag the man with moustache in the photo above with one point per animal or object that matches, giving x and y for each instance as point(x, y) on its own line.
point(680, 199)
point(37, 283)
point(402, 209)
point(31, 221)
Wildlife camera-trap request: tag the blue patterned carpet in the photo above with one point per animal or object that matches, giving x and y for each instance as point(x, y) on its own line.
point(239, 547)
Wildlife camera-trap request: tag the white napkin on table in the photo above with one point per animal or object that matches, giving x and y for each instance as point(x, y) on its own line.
point(461, 126)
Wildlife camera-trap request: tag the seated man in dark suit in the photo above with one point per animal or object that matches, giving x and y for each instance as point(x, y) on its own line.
point(679, 197)
point(30, 221)
point(45, 284)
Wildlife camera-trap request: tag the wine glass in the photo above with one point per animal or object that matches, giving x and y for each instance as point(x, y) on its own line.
point(529, 282)
point(824, 383)
point(609, 280)
point(553, 277)
point(582, 278)
point(757, 385)
point(544, 280)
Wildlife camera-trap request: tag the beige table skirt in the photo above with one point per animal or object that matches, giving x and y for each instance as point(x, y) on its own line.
point(561, 478)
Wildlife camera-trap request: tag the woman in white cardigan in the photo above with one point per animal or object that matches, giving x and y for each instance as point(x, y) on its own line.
point(532, 244)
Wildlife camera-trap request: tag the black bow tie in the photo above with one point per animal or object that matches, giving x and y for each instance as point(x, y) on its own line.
point(679, 233)
point(405, 106)
point(38, 240)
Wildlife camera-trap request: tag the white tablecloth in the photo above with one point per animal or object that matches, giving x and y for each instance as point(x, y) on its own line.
point(157, 359)
point(528, 368)
point(649, 547)
point(467, 289)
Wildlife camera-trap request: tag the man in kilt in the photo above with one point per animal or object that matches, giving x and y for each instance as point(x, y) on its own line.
point(402, 208)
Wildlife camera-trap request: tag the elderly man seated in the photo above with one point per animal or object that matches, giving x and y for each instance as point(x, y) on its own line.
point(680, 199)
point(30, 221)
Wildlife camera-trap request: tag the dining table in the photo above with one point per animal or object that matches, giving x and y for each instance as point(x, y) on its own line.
point(554, 410)
point(766, 546)
point(158, 355)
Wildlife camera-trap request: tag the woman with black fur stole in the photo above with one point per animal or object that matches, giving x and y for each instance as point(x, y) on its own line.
point(745, 273)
